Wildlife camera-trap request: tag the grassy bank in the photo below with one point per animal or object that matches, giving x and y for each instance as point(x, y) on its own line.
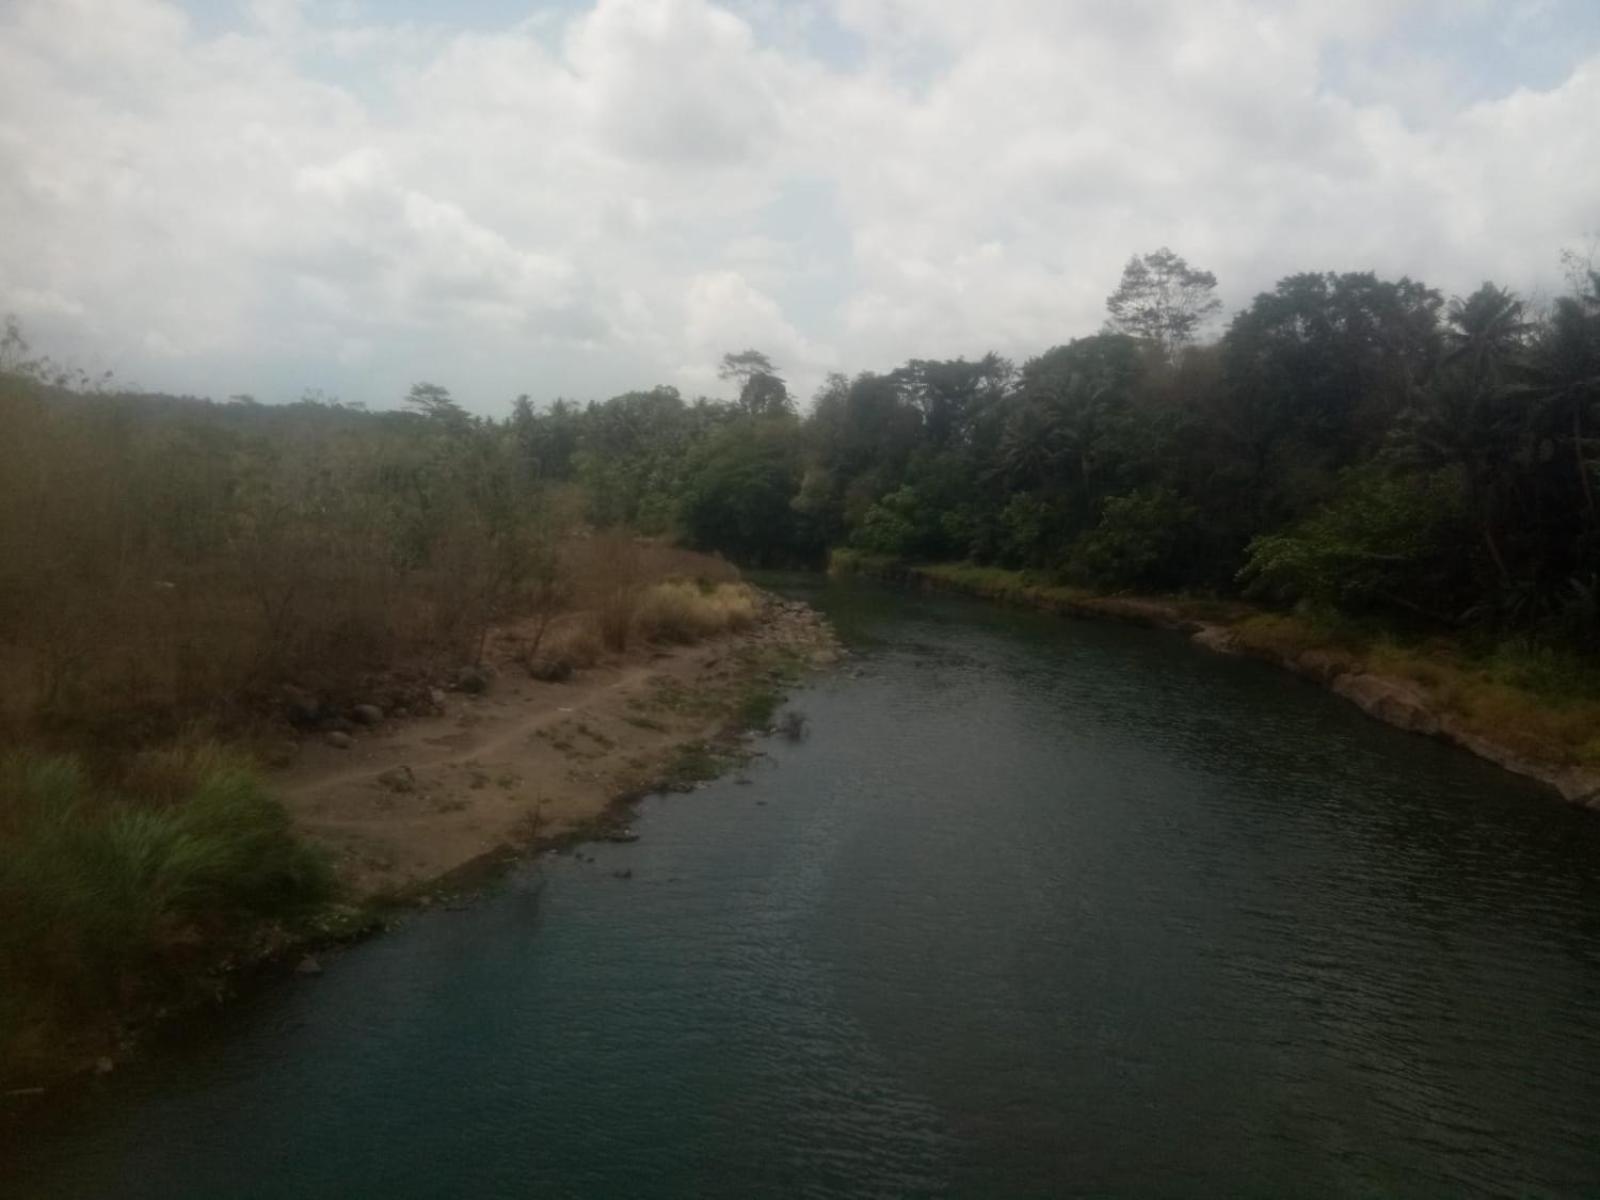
point(124, 893)
point(1538, 704)
point(1541, 704)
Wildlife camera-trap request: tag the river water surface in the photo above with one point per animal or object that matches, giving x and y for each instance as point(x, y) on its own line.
point(1038, 908)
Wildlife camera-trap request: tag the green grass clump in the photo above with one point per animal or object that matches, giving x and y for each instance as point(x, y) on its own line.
point(695, 763)
point(757, 705)
point(112, 898)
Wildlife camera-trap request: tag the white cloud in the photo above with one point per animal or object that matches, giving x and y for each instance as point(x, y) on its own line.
point(608, 200)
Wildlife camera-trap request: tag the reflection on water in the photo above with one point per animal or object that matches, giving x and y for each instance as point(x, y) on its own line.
point(1040, 907)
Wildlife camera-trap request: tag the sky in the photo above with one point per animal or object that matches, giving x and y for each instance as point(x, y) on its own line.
point(582, 198)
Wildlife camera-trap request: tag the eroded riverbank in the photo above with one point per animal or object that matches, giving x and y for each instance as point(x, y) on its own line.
point(1431, 700)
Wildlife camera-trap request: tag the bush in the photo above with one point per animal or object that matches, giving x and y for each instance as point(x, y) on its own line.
point(109, 897)
point(684, 612)
point(575, 642)
point(1382, 545)
point(1139, 542)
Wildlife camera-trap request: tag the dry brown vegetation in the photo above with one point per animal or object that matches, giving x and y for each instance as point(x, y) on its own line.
point(171, 570)
point(166, 561)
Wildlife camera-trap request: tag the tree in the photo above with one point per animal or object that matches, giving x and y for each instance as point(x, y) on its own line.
point(738, 492)
point(953, 394)
point(761, 392)
point(435, 402)
point(1566, 379)
point(1163, 300)
point(1486, 330)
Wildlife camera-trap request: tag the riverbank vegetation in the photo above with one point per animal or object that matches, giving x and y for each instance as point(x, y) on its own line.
point(119, 891)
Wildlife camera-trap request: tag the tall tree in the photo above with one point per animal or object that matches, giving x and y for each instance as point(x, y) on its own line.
point(1487, 330)
point(1163, 300)
point(761, 392)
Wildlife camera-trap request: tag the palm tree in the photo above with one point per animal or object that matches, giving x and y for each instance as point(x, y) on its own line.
point(1565, 377)
point(1486, 331)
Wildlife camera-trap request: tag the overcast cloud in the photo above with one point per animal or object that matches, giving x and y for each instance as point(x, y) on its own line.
point(583, 198)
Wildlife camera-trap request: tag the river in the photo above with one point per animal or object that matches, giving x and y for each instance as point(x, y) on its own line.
point(1039, 907)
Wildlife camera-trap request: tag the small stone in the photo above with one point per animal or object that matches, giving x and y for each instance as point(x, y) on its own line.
point(104, 1065)
point(436, 697)
point(473, 680)
point(340, 740)
point(398, 779)
point(309, 965)
point(367, 714)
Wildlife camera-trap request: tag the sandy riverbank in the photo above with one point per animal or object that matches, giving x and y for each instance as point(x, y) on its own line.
point(527, 762)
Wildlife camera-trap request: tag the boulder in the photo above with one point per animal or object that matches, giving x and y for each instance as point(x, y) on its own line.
point(367, 714)
point(1216, 637)
point(308, 966)
point(1395, 701)
point(1324, 666)
point(301, 708)
point(473, 680)
point(1581, 786)
point(340, 740)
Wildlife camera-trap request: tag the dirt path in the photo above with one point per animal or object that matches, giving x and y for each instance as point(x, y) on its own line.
point(412, 800)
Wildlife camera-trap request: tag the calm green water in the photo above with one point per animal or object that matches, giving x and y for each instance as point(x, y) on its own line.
point(1039, 908)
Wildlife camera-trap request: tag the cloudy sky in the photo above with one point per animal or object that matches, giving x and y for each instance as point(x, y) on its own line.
point(577, 198)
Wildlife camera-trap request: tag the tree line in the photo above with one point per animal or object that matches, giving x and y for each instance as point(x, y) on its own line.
point(1348, 441)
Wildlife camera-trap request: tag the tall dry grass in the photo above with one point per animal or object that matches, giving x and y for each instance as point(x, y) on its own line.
point(684, 612)
point(614, 573)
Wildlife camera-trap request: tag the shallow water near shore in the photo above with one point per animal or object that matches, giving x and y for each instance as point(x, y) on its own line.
point(1038, 907)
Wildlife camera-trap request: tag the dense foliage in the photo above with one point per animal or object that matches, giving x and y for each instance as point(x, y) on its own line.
point(1348, 440)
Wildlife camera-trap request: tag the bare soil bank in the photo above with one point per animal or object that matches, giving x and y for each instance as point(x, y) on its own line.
point(526, 762)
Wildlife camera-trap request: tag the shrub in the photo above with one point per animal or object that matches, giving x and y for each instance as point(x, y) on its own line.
point(683, 612)
point(107, 897)
point(575, 641)
point(1139, 542)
